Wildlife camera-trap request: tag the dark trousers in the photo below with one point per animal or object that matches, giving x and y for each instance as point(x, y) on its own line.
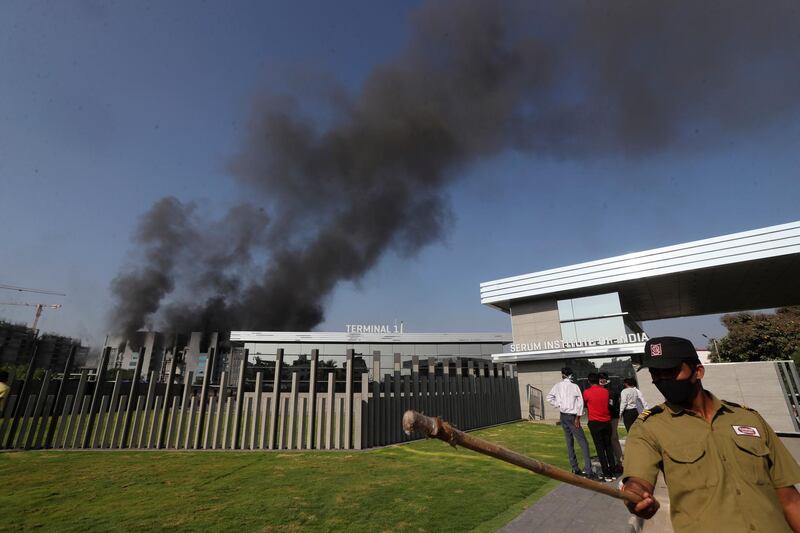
point(570, 432)
point(601, 435)
point(629, 416)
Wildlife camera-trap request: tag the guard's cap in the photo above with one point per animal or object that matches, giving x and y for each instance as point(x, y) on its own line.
point(668, 352)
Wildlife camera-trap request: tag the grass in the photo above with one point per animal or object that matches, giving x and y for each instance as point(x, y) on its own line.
point(421, 486)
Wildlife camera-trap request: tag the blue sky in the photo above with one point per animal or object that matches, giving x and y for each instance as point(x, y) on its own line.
point(108, 106)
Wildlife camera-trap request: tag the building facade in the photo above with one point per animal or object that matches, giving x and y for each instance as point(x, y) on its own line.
point(18, 341)
point(190, 353)
point(589, 316)
point(432, 350)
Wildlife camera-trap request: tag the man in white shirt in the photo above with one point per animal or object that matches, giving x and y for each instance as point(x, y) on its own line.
point(631, 403)
point(567, 397)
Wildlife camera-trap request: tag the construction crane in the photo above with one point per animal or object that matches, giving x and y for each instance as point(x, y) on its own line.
point(38, 307)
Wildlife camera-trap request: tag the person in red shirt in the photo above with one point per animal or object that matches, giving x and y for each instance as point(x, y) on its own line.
point(596, 400)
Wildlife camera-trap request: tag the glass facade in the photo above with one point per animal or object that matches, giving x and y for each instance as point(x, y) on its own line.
point(201, 366)
point(587, 318)
point(617, 368)
point(593, 318)
point(333, 355)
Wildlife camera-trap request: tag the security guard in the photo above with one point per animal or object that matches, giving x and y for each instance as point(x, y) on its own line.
point(725, 468)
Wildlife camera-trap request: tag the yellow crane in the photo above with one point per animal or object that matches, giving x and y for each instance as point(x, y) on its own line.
point(38, 307)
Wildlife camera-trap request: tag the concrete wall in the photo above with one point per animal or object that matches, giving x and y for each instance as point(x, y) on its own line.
point(756, 385)
point(535, 321)
point(542, 375)
point(154, 352)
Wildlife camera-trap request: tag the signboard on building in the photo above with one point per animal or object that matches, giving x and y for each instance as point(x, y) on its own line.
point(373, 328)
point(630, 338)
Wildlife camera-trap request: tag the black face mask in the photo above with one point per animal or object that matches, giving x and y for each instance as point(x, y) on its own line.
point(675, 390)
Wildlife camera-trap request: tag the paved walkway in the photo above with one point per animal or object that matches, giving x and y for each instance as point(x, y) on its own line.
point(570, 509)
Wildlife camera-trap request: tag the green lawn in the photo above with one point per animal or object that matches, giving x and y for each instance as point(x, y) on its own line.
point(422, 486)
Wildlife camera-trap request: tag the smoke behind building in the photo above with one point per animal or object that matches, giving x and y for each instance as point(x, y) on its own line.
point(332, 192)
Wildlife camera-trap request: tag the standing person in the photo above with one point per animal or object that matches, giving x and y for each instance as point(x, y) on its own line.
point(4, 390)
point(631, 403)
point(596, 398)
point(566, 396)
point(613, 409)
point(725, 468)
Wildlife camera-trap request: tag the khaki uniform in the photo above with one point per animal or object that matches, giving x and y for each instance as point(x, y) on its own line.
point(721, 476)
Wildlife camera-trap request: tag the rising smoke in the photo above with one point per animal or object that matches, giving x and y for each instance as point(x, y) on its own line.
point(568, 79)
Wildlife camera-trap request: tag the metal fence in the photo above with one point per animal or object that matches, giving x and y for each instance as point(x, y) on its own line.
point(139, 415)
point(535, 403)
point(790, 382)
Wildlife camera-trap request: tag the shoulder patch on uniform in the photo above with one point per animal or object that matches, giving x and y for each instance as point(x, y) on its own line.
point(726, 402)
point(649, 412)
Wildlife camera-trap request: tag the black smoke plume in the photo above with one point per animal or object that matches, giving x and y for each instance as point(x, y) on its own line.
point(567, 79)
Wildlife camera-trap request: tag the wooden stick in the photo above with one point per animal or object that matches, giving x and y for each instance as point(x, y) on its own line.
point(437, 428)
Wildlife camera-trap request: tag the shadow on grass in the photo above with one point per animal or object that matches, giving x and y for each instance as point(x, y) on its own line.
point(421, 486)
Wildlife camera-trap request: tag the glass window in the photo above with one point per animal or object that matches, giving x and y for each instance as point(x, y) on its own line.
point(330, 349)
point(387, 364)
point(599, 328)
point(405, 366)
point(425, 350)
point(568, 332)
point(471, 349)
point(290, 359)
point(565, 310)
point(489, 349)
point(448, 350)
point(262, 348)
point(617, 368)
point(291, 348)
point(406, 350)
point(592, 306)
point(308, 347)
point(385, 349)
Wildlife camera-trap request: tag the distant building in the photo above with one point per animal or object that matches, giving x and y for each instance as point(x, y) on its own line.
point(17, 344)
point(124, 353)
point(216, 353)
point(395, 347)
point(197, 353)
point(191, 354)
point(53, 351)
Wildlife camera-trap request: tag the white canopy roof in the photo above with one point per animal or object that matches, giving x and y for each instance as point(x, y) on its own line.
point(755, 269)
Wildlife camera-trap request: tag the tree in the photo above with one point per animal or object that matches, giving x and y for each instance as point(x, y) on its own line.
point(761, 336)
point(713, 356)
point(19, 371)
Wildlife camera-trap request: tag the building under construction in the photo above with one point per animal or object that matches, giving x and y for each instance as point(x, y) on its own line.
point(17, 344)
